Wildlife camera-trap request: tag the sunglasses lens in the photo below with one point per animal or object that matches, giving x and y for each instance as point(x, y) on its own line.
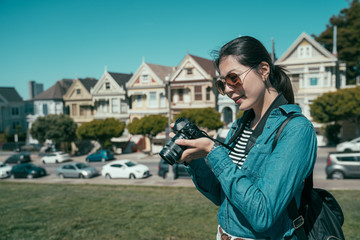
point(232, 78)
point(220, 86)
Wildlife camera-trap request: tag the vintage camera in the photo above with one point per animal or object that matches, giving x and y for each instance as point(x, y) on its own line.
point(184, 129)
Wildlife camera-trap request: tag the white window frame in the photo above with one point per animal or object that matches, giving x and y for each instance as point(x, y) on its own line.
point(153, 100)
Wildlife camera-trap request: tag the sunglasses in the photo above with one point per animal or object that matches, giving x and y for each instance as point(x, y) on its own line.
point(232, 79)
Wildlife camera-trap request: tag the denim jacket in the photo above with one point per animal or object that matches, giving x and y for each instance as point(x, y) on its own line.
point(253, 199)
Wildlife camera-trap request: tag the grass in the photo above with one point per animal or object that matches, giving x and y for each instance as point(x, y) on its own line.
point(59, 211)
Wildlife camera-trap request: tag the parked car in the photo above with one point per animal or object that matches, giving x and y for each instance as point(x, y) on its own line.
point(100, 155)
point(349, 146)
point(18, 158)
point(27, 170)
point(55, 157)
point(178, 169)
point(342, 165)
point(5, 170)
point(125, 169)
point(76, 170)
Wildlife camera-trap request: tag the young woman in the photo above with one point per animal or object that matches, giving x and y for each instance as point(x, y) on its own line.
point(252, 183)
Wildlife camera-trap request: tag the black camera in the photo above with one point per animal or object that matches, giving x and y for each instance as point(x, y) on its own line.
point(184, 129)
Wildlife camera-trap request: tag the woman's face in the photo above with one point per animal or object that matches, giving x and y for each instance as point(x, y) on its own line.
point(251, 93)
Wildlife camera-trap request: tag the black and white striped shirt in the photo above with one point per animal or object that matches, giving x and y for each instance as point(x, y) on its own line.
point(238, 154)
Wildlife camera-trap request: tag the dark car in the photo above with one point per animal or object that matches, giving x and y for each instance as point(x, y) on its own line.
point(178, 169)
point(342, 165)
point(100, 155)
point(27, 170)
point(18, 158)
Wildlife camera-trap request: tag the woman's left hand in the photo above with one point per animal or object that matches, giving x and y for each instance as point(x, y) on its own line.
point(197, 148)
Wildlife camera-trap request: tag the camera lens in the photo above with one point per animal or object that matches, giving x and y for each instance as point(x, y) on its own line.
point(171, 153)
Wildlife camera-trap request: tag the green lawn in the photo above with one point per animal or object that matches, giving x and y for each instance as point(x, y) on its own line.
point(57, 211)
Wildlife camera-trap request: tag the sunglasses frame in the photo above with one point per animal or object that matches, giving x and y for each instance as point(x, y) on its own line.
point(226, 82)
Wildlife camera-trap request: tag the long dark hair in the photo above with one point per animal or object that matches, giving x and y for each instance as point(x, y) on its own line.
point(251, 52)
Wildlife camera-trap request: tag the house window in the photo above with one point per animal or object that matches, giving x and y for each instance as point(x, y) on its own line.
point(198, 93)
point(73, 109)
point(115, 105)
point(144, 77)
point(208, 93)
point(82, 110)
point(16, 125)
point(152, 100)
point(189, 71)
point(138, 100)
point(107, 85)
point(15, 111)
point(313, 81)
point(78, 91)
point(123, 106)
point(45, 109)
point(305, 51)
point(162, 100)
point(181, 95)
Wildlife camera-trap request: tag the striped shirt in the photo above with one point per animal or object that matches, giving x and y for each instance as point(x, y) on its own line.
point(238, 154)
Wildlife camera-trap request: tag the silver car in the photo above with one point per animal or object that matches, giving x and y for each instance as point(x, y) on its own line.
point(342, 165)
point(76, 170)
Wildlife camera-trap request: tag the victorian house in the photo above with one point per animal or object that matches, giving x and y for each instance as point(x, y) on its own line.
point(49, 102)
point(192, 84)
point(313, 71)
point(147, 90)
point(109, 96)
point(78, 100)
point(12, 111)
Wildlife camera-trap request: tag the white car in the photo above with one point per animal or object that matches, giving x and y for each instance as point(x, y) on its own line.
point(55, 157)
point(124, 169)
point(5, 170)
point(349, 146)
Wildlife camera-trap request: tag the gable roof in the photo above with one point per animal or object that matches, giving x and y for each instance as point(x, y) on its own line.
point(120, 78)
point(56, 91)
point(160, 70)
point(207, 64)
point(88, 83)
point(10, 94)
point(305, 37)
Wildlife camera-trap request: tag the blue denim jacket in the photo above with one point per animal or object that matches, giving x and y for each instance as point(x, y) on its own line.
point(253, 199)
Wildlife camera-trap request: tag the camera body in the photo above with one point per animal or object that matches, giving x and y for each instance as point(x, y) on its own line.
point(184, 129)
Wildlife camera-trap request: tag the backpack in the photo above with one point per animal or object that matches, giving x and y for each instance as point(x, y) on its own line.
point(320, 216)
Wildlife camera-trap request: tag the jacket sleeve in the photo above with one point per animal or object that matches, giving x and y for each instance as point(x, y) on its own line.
point(205, 180)
point(262, 195)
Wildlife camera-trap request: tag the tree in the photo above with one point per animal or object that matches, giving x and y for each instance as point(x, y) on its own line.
point(202, 117)
point(57, 128)
point(148, 126)
point(101, 130)
point(335, 106)
point(348, 38)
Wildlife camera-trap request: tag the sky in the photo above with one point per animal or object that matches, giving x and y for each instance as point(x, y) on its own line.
point(48, 40)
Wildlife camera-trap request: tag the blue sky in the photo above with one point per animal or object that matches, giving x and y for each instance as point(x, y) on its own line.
point(47, 40)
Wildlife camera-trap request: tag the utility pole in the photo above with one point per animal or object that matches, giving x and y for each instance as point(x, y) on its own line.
point(170, 174)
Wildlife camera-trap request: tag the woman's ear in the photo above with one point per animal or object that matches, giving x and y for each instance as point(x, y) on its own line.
point(264, 70)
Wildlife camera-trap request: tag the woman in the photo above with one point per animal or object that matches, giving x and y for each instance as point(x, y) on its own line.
point(252, 183)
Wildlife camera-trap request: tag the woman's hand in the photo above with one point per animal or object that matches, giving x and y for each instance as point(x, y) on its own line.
point(197, 148)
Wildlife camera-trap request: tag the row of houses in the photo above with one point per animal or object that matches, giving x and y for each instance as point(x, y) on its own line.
point(313, 71)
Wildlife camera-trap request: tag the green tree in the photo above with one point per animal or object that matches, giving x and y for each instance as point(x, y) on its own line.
point(101, 130)
point(202, 117)
point(148, 126)
point(335, 106)
point(348, 38)
point(57, 128)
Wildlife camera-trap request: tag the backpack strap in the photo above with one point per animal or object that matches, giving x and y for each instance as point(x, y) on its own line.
point(293, 211)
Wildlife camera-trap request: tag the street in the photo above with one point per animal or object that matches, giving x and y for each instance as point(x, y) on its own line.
point(153, 161)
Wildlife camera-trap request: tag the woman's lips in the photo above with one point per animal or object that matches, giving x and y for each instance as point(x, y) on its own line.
point(238, 99)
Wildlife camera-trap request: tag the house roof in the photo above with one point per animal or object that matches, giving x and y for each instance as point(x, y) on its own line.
point(88, 83)
point(120, 78)
point(160, 70)
point(56, 91)
point(207, 64)
point(10, 94)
